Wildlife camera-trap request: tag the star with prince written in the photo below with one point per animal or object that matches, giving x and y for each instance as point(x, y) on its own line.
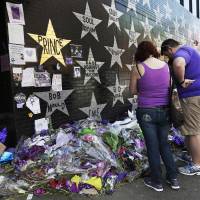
point(51, 44)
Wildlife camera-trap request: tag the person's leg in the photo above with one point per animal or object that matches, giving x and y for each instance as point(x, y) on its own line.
point(194, 148)
point(149, 128)
point(165, 151)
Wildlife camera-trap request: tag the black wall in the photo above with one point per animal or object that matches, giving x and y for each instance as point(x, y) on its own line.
point(67, 26)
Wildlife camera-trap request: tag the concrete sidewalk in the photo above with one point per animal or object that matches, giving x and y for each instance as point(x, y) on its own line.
point(190, 190)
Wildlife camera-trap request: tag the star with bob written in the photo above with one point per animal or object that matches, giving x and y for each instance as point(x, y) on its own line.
point(55, 100)
point(51, 44)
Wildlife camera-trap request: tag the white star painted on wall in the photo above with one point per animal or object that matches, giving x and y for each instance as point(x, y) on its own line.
point(183, 23)
point(55, 100)
point(91, 67)
point(132, 5)
point(114, 14)
point(168, 11)
point(89, 23)
point(133, 35)
point(176, 27)
point(189, 32)
point(168, 34)
point(94, 110)
point(147, 28)
point(129, 66)
point(146, 2)
point(117, 91)
point(115, 53)
point(158, 14)
point(158, 42)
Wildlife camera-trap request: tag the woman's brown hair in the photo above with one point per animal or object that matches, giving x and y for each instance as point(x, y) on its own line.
point(145, 50)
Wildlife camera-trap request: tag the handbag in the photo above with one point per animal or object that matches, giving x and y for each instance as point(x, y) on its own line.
point(175, 109)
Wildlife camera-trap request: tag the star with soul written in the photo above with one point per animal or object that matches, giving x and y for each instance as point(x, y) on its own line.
point(55, 100)
point(168, 11)
point(89, 23)
point(146, 2)
point(133, 35)
point(158, 14)
point(51, 44)
point(147, 28)
point(94, 110)
point(132, 5)
point(114, 14)
point(117, 91)
point(91, 67)
point(115, 53)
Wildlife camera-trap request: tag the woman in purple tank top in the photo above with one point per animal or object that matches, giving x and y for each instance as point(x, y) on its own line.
point(150, 81)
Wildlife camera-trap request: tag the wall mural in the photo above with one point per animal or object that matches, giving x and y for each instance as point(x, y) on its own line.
point(96, 18)
point(51, 44)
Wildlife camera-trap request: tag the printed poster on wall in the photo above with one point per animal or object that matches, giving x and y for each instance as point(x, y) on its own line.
point(15, 13)
point(30, 55)
point(16, 33)
point(33, 103)
point(16, 54)
point(28, 79)
point(42, 79)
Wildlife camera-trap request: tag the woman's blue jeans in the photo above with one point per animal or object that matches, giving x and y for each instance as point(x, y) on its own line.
point(154, 123)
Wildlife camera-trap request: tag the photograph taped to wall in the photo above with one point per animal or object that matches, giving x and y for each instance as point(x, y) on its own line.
point(69, 61)
point(20, 99)
point(17, 75)
point(77, 72)
point(41, 125)
point(42, 79)
point(15, 13)
point(57, 82)
point(76, 50)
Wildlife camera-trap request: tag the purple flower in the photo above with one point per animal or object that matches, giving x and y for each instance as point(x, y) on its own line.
point(3, 135)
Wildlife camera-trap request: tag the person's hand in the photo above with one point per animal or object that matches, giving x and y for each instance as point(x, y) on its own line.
point(186, 83)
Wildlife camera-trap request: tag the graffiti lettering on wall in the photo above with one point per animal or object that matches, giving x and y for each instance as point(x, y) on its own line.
point(51, 44)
